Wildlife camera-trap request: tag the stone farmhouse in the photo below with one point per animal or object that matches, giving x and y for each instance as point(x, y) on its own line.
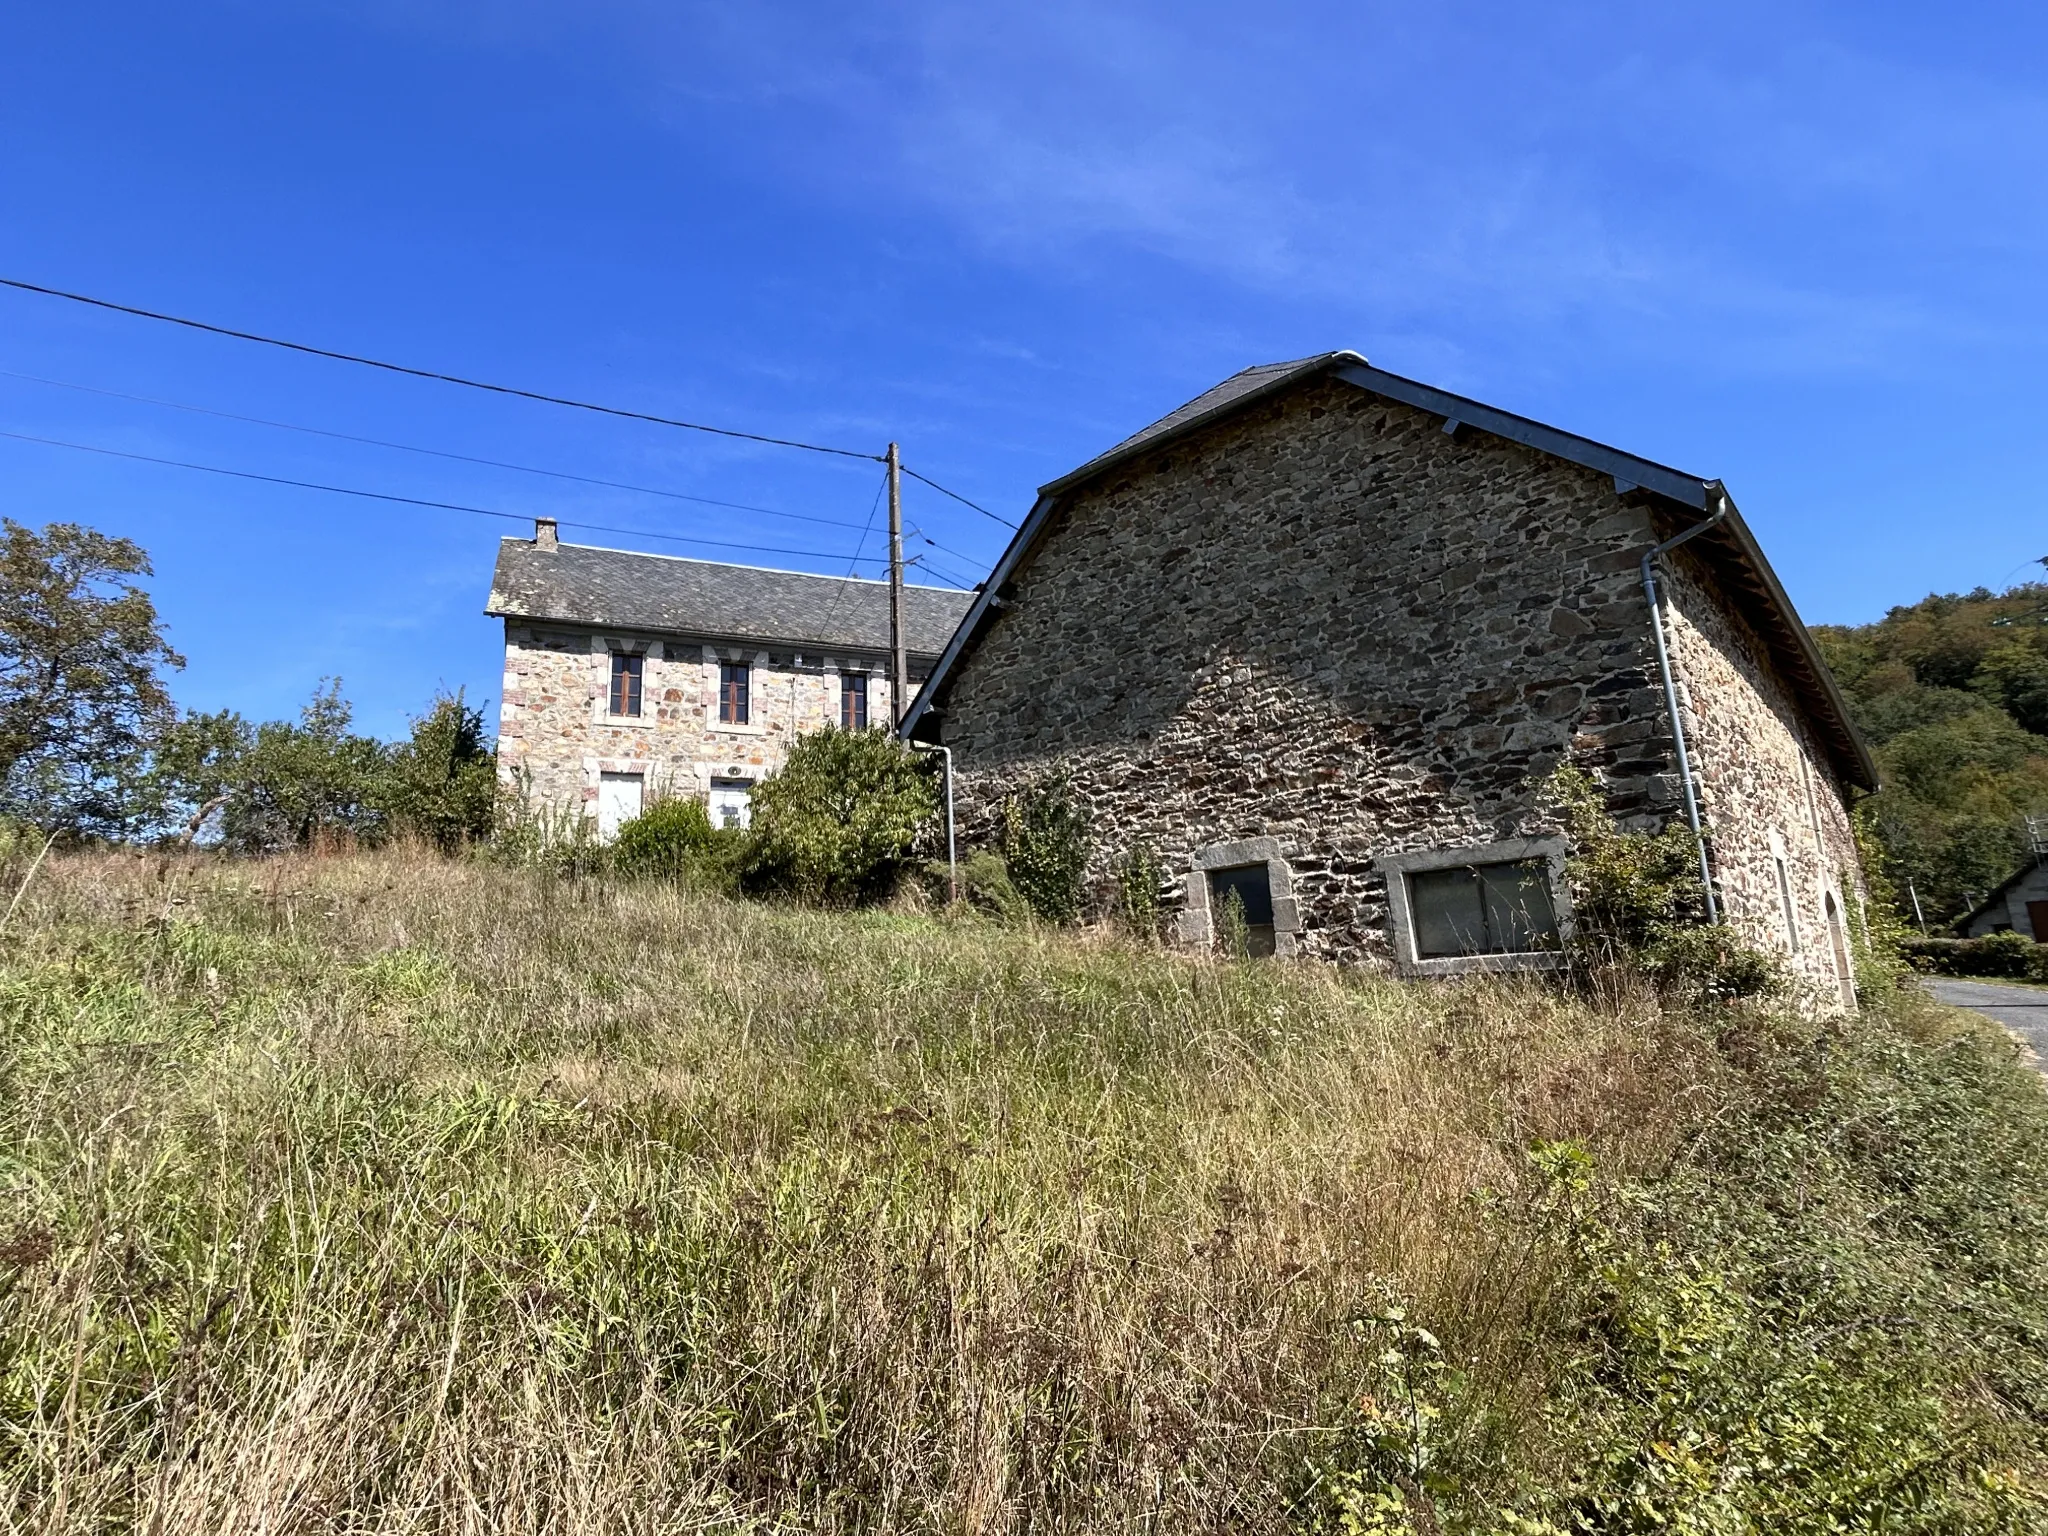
point(629, 676)
point(1316, 638)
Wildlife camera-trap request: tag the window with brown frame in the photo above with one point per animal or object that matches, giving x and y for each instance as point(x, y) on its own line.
point(626, 671)
point(733, 677)
point(853, 701)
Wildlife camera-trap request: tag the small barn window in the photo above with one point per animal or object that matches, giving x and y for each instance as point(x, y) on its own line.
point(1250, 886)
point(1482, 909)
point(733, 689)
point(853, 701)
point(626, 673)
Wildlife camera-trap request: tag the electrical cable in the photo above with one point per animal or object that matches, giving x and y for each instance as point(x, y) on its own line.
point(984, 511)
point(437, 453)
point(444, 378)
point(416, 501)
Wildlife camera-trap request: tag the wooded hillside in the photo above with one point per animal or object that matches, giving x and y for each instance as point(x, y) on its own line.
point(1952, 695)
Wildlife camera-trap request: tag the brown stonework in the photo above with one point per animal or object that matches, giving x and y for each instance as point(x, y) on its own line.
point(1327, 621)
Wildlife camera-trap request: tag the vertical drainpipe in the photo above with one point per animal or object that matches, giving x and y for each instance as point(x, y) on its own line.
point(1692, 804)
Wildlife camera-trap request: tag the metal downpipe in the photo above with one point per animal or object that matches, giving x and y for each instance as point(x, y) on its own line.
point(1692, 805)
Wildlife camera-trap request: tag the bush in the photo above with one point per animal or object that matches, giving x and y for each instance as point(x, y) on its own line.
point(985, 882)
point(1637, 900)
point(1138, 879)
point(1045, 847)
point(838, 823)
point(673, 840)
point(443, 782)
point(2010, 956)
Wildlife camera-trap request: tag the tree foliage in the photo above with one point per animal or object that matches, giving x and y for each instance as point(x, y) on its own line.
point(838, 823)
point(442, 781)
point(82, 654)
point(1952, 693)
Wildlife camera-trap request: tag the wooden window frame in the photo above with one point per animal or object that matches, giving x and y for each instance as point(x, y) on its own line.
point(735, 693)
point(853, 701)
point(628, 668)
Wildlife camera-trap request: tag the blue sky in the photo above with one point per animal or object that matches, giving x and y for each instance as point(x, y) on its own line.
point(1796, 246)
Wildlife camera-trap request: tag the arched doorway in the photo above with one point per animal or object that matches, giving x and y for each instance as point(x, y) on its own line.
point(1839, 944)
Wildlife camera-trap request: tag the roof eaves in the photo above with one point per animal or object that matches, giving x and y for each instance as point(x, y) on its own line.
point(985, 602)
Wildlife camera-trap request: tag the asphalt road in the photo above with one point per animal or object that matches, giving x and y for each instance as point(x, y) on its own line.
point(2023, 1010)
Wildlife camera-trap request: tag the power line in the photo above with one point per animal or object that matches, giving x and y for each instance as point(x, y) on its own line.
point(416, 501)
point(984, 511)
point(444, 378)
point(436, 453)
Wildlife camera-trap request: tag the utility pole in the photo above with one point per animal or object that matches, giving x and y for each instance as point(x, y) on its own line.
point(1918, 916)
point(899, 670)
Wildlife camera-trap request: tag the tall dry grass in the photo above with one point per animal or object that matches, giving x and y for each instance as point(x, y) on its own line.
point(380, 1194)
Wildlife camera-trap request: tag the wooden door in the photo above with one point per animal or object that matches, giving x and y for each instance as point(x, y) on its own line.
point(2037, 919)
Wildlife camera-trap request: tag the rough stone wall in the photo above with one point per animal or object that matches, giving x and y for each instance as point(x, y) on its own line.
point(556, 735)
point(1327, 622)
point(1767, 789)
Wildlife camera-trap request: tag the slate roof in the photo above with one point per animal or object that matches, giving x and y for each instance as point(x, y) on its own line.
point(624, 589)
point(1729, 547)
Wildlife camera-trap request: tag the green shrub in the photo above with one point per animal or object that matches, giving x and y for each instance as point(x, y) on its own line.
point(839, 822)
point(442, 782)
point(1637, 900)
point(1138, 878)
point(985, 882)
point(1045, 846)
point(673, 840)
point(2012, 956)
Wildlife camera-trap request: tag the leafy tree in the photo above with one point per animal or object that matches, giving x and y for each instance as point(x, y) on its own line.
point(673, 840)
point(1952, 694)
point(81, 691)
point(300, 783)
point(196, 764)
point(443, 781)
point(838, 823)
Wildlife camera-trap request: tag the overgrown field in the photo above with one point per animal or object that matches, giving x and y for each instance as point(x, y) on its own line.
point(389, 1194)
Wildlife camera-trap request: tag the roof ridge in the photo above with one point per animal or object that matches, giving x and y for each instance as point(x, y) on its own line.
point(738, 565)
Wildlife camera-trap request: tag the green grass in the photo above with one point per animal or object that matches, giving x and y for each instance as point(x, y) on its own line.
point(386, 1194)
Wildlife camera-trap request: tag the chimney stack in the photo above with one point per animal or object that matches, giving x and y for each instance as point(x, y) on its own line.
point(544, 533)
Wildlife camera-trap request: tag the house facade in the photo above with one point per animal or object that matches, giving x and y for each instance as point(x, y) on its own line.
point(1316, 639)
point(629, 676)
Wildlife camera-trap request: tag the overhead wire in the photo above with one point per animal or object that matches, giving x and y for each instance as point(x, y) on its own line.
point(437, 453)
point(418, 501)
point(977, 506)
point(438, 376)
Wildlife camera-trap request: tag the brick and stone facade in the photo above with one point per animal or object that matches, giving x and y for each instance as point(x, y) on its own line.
point(796, 639)
point(1354, 634)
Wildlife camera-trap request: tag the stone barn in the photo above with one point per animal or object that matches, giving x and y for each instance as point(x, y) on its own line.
point(629, 676)
point(1316, 638)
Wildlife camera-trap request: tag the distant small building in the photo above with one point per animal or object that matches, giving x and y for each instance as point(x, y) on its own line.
point(630, 675)
point(2019, 905)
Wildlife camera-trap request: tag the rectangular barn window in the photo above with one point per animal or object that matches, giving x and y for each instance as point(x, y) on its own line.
point(853, 701)
point(626, 672)
point(1482, 909)
point(733, 681)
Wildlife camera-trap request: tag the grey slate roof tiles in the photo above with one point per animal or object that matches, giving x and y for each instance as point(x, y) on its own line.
point(623, 589)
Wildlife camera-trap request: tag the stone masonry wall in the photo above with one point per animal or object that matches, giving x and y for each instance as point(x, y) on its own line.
point(1327, 623)
point(555, 732)
point(1767, 790)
